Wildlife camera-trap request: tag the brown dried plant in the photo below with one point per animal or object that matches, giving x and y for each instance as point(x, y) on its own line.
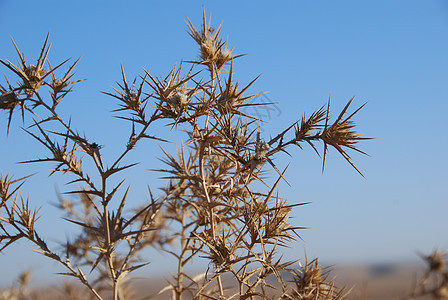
point(20, 289)
point(434, 282)
point(217, 205)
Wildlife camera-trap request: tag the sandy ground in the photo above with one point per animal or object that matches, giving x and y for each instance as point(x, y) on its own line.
point(379, 282)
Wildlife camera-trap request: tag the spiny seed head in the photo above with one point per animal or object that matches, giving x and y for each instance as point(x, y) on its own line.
point(221, 254)
point(58, 85)
point(312, 282)
point(213, 49)
point(179, 99)
point(9, 100)
point(28, 218)
point(133, 100)
point(261, 149)
point(277, 223)
point(34, 77)
point(116, 228)
point(208, 48)
point(25, 278)
point(214, 52)
point(227, 101)
point(34, 72)
point(436, 261)
point(227, 54)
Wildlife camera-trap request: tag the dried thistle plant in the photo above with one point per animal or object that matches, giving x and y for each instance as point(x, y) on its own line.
point(311, 281)
point(218, 206)
point(434, 282)
point(20, 289)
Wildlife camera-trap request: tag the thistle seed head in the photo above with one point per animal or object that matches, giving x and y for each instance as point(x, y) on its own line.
point(227, 54)
point(9, 100)
point(133, 99)
point(261, 150)
point(212, 48)
point(277, 222)
point(58, 85)
point(436, 262)
point(180, 99)
point(221, 254)
point(34, 78)
point(227, 102)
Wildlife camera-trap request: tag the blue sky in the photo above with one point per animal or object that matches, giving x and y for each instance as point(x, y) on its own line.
point(390, 54)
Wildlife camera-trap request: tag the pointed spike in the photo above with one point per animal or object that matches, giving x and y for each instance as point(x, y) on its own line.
point(325, 156)
point(344, 110)
point(40, 60)
point(22, 58)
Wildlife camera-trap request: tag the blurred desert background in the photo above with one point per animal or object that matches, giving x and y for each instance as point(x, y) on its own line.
point(372, 282)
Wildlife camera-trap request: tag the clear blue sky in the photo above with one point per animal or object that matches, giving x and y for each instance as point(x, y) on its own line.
point(391, 54)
